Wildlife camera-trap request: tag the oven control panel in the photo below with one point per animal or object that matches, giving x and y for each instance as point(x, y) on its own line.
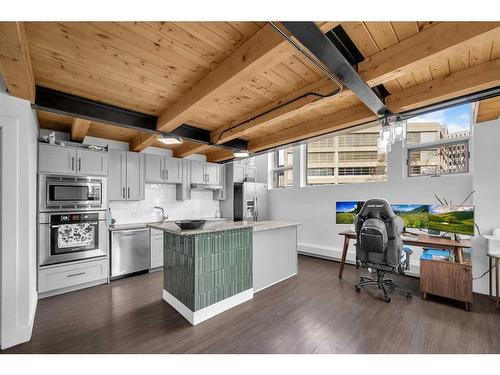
point(72, 218)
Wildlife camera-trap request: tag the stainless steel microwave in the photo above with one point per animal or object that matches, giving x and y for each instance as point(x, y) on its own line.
point(57, 193)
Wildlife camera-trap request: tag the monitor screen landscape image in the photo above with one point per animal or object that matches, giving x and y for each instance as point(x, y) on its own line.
point(414, 215)
point(347, 211)
point(452, 219)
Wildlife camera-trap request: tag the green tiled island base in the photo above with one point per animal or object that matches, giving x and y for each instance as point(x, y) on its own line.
point(205, 274)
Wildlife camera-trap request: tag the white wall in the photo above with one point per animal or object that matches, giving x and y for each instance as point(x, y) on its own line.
point(314, 206)
point(18, 219)
point(487, 196)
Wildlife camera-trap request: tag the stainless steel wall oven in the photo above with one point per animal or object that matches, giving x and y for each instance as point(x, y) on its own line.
point(70, 236)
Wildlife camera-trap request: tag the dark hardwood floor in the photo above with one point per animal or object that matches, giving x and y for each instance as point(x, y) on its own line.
point(314, 312)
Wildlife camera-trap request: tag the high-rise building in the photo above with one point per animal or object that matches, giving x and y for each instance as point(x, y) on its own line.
point(353, 157)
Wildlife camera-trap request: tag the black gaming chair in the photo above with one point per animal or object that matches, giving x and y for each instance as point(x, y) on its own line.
point(379, 245)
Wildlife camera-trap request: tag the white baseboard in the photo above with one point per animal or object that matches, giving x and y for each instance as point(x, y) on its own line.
point(276, 282)
point(332, 253)
point(196, 317)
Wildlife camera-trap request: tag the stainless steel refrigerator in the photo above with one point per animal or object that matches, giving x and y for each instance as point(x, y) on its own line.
point(250, 201)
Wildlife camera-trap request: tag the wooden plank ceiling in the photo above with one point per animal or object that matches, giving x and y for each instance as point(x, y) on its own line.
point(220, 76)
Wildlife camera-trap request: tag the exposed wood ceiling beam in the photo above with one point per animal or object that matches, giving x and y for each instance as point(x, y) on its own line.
point(464, 82)
point(336, 121)
point(399, 59)
point(461, 83)
point(15, 61)
point(79, 129)
point(219, 154)
point(190, 148)
point(487, 110)
point(142, 141)
point(259, 118)
point(379, 68)
point(257, 53)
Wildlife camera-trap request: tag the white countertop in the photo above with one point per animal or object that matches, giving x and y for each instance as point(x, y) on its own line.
point(141, 225)
point(213, 226)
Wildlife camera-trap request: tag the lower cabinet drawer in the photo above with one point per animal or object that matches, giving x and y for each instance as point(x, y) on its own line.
point(71, 275)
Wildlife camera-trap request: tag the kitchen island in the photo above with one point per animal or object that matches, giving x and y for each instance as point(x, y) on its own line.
point(212, 269)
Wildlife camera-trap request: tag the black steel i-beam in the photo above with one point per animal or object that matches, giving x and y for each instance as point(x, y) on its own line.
point(311, 37)
point(55, 101)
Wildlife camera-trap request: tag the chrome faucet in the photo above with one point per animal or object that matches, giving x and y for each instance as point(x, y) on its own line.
point(164, 217)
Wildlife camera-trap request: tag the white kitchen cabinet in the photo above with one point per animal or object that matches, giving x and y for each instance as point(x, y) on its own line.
point(126, 175)
point(220, 194)
point(71, 160)
point(156, 249)
point(161, 169)
point(135, 176)
point(154, 168)
point(91, 162)
point(213, 173)
point(56, 159)
point(72, 276)
point(244, 172)
point(205, 173)
point(239, 172)
point(198, 172)
point(173, 170)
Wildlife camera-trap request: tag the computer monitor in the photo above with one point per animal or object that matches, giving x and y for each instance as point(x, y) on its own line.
point(414, 215)
point(452, 219)
point(346, 211)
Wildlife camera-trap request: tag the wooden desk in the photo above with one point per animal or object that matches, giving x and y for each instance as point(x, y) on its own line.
point(422, 240)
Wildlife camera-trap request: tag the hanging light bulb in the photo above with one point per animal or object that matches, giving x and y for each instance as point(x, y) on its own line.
point(382, 145)
point(399, 130)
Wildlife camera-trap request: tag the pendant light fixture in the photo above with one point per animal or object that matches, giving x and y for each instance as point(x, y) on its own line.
point(391, 132)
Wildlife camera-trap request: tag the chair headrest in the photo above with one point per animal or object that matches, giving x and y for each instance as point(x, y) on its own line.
point(376, 208)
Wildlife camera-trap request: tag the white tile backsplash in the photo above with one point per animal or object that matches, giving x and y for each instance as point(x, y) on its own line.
point(201, 205)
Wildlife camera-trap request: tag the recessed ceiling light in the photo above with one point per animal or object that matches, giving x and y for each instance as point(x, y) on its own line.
point(170, 139)
point(241, 154)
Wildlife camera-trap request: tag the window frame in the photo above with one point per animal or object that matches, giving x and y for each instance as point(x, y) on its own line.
point(435, 144)
point(277, 169)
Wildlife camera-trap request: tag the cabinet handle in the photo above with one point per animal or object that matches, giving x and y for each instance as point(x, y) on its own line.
point(128, 192)
point(79, 164)
point(166, 171)
point(76, 274)
point(123, 192)
point(161, 174)
point(72, 163)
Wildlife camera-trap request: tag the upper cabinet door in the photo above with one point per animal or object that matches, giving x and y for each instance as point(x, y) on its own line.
point(238, 172)
point(155, 168)
point(56, 159)
point(213, 173)
point(91, 162)
point(198, 172)
point(135, 176)
point(251, 173)
point(117, 178)
point(173, 170)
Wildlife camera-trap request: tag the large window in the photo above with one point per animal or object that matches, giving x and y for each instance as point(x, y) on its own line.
point(283, 168)
point(438, 142)
point(347, 158)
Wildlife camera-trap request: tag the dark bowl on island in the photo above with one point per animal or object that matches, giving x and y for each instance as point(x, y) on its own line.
point(190, 224)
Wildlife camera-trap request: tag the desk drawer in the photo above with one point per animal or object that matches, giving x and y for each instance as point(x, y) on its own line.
point(71, 275)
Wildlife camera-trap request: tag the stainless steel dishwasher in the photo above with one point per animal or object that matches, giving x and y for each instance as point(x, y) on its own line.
point(130, 251)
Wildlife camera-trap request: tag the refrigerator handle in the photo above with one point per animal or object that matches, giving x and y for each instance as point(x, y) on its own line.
point(256, 208)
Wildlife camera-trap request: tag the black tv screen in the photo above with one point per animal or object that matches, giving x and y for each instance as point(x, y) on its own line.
point(452, 219)
point(414, 215)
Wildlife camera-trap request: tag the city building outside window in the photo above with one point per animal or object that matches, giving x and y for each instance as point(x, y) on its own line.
point(437, 143)
point(346, 158)
point(283, 168)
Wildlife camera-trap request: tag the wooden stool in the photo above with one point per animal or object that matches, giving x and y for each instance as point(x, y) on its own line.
point(496, 259)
